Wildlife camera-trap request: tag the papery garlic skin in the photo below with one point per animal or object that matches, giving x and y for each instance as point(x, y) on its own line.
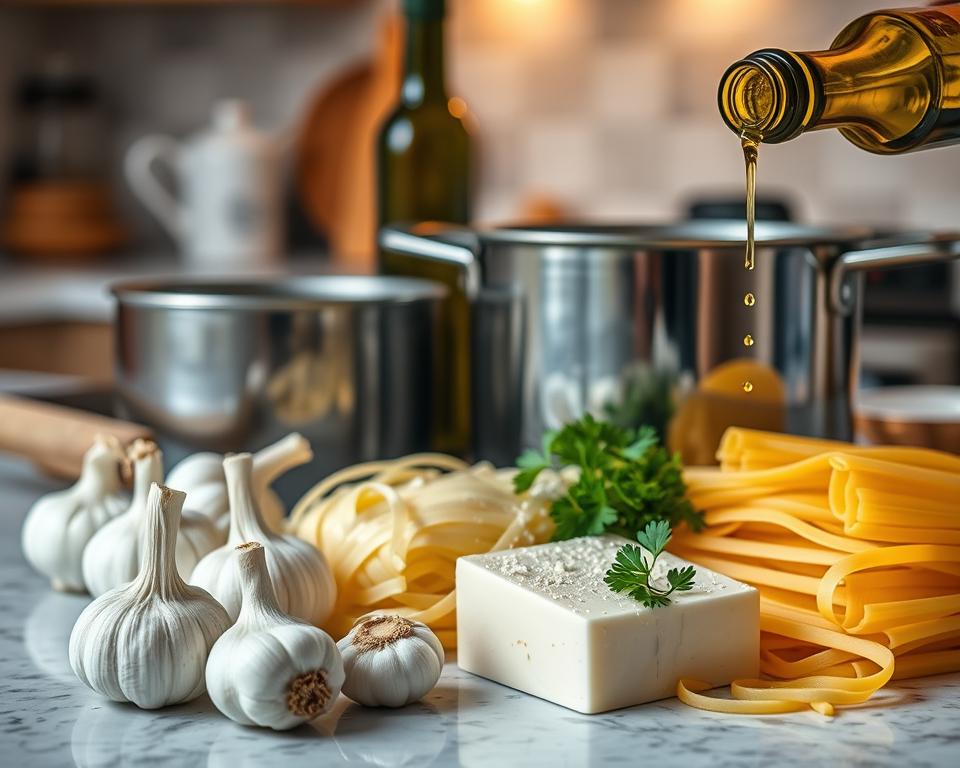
point(201, 476)
point(269, 669)
point(148, 641)
point(113, 555)
point(59, 525)
point(390, 661)
point(196, 469)
point(301, 578)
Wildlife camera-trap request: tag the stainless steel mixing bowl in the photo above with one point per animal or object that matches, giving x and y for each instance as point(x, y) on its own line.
point(231, 366)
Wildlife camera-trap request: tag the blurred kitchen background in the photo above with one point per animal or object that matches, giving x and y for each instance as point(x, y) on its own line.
point(600, 109)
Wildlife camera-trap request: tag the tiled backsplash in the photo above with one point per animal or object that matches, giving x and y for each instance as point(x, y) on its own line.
point(608, 106)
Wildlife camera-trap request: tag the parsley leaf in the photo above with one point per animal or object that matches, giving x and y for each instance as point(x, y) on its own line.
point(681, 579)
point(627, 480)
point(654, 537)
point(584, 510)
point(646, 439)
point(531, 464)
point(630, 572)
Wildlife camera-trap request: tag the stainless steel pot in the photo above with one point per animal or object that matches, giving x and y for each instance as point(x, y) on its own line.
point(232, 366)
point(648, 323)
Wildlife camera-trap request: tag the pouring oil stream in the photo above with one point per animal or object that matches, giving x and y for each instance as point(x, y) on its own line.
point(750, 142)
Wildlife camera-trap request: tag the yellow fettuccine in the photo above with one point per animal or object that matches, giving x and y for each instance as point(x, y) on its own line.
point(392, 532)
point(856, 553)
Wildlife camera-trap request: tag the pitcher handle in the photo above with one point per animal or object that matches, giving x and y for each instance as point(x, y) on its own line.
point(885, 257)
point(435, 241)
point(139, 169)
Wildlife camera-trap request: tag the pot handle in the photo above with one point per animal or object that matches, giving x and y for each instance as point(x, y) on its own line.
point(885, 257)
point(433, 241)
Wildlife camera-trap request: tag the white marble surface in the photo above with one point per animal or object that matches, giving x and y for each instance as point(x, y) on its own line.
point(47, 718)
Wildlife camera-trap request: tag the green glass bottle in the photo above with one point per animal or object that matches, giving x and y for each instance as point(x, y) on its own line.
point(424, 174)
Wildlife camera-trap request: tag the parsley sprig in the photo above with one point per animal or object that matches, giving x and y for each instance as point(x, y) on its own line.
point(631, 569)
point(627, 480)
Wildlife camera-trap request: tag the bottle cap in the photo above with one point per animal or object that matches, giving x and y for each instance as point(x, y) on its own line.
point(424, 9)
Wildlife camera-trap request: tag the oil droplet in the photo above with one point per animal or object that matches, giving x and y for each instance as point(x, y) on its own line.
point(748, 340)
point(749, 299)
point(748, 386)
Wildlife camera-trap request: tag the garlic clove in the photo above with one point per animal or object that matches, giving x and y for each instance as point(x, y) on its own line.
point(147, 642)
point(196, 469)
point(390, 661)
point(210, 500)
point(269, 669)
point(303, 582)
point(59, 525)
point(112, 557)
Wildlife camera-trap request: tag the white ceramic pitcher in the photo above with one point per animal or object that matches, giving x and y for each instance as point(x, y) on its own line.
point(229, 206)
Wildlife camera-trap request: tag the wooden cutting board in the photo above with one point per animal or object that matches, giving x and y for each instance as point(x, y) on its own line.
point(336, 151)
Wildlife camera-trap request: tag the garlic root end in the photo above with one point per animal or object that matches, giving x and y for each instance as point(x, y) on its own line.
point(308, 694)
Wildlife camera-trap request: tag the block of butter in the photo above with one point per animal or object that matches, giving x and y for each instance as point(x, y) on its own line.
point(541, 620)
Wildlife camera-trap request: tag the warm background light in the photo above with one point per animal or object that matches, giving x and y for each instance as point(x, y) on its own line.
point(709, 20)
point(541, 23)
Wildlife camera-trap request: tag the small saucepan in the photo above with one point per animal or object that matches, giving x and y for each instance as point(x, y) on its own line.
point(235, 365)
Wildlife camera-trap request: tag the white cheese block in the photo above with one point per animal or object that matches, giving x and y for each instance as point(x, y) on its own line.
point(541, 620)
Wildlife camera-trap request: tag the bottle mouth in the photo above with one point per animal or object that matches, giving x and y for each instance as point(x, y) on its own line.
point(766, 95)
point(750, 97)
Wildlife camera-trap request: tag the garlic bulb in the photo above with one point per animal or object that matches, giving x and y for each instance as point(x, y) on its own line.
point(301, 578)
point(148, 641)
point(195, 470)
point(390, 661)
point(201, 476)
point(60, 524)
point(113, 555)
point(269, 669)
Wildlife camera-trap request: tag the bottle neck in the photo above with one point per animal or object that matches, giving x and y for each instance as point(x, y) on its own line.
point(878, 85)
point(423, 80)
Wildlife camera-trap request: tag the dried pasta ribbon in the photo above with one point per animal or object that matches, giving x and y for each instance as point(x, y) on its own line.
point(853, 551)
point(392, 532)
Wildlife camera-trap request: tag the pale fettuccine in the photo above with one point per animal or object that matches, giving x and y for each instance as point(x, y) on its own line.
point(856, 553)
point(393, 530)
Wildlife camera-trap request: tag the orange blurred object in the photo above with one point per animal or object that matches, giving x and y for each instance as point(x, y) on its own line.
point(336, 162)
point(61, 220)
point(544, 210)
point(721, 400)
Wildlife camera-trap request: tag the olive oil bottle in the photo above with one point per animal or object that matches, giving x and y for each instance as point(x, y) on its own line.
point(890, 83)
point(424, 174)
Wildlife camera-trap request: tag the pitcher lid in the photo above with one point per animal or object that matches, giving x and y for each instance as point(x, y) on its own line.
point(231, 115)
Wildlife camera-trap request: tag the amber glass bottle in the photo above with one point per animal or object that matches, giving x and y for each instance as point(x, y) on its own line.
point(890, 83)
point(424, 174)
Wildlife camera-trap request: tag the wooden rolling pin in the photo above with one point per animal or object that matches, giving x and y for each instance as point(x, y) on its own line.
point(54, 437)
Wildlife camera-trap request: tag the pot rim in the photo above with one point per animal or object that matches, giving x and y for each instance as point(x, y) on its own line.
point(282, 294)
point(704, 233)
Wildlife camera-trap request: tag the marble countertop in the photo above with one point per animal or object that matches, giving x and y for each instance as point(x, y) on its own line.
point(47, 718)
